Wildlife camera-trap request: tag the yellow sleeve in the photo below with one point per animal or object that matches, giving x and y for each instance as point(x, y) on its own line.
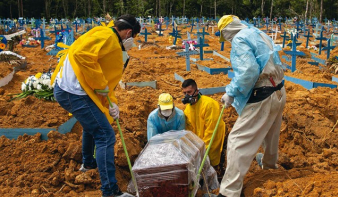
point(86, 57)
point(210, 121)
point(188, 125)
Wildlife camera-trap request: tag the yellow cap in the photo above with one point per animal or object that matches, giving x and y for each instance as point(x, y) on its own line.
point(222, 23)
point(165, 101)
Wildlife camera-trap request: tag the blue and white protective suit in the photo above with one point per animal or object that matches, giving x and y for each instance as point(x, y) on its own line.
point(256, 64)
point(157, 123)
point(249, 55)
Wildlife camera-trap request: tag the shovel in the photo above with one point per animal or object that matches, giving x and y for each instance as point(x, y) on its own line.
point(208, 149)
point(124, 147)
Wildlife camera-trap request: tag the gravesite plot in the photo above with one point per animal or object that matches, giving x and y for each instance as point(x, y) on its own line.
point(41, 143)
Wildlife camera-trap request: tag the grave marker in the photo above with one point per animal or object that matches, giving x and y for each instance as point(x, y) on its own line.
point(187, 54)
point(203, 33)
point(307, 38)
point(328, 48)
point(285, 37)
point(42, 38)
point(320, 38)
point(145, 35)
point(201, 45)
point(160, 30)
point(294, 53)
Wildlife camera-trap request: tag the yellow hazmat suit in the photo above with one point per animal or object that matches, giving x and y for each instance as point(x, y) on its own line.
point(96, 58)
point(201, 118)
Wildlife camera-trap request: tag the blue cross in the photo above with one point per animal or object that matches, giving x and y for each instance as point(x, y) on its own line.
point(294, 38)
point(68, 28)
point(328, 48)
point(304, 29)
point(285, 37)
point(176, 35)
point(55, 31)
point(42, 38)
point(203, 33)
point(201, 45)
point(307, 38)
point(160, 30)
point(37, 24)
point(298, 26)
point(187, 54)
point(316, 29)
point(267, 23)
point(280, 23)
point(259, 22)
point(320, 38)
point(192, 25)
point(254, 20)
point(294, 53)
point(76, 22)
point(145, 35)
point(198, 27)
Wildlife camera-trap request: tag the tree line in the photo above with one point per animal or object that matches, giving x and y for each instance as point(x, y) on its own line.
point(190, 8)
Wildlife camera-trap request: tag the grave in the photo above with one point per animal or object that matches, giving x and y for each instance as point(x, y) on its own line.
point(14, 133)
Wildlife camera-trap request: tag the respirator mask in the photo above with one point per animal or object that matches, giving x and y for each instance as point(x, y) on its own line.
point(128, 43)
point(190, 98)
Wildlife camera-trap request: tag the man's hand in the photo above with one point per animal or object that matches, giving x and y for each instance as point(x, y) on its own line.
point(114, 111)
point(227, 100)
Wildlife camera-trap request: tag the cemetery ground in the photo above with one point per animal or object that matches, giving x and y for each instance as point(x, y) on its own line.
point(308, 154)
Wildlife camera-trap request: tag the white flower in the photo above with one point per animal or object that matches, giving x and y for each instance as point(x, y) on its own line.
point(46, 82)
point(35, 83)
point(39, 87)
point(23, 87)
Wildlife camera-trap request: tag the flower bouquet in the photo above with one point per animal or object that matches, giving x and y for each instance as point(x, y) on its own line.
point(37, 85)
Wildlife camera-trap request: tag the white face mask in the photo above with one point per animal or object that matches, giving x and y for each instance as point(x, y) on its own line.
point(128, 43)
point(167, 112)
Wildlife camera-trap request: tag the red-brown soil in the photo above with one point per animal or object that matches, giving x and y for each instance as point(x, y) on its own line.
point(30, 167)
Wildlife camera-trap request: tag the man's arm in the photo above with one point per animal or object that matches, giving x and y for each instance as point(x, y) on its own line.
point(151, 128)
point(246, 69)
point(181, 122)
point(212, 113)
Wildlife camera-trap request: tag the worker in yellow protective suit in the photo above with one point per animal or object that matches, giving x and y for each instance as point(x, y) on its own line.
point(96, 61)
point(202, 113)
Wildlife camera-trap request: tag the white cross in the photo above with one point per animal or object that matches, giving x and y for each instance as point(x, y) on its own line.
point(161, 19)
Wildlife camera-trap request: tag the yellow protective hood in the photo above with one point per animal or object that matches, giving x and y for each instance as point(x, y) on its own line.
point(222, 23)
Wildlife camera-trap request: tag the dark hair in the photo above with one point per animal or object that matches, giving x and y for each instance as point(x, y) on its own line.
point(189, 82)
point(128, 21)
